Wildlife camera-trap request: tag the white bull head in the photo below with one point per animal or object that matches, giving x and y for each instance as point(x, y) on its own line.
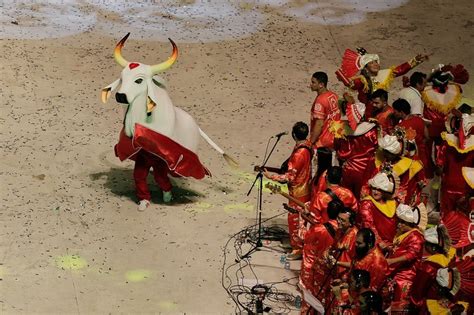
point(149, 104)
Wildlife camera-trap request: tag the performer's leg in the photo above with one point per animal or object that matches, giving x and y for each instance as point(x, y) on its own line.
point(293, 226)
point(324, 161)
point(160, 173)
point(140, 173)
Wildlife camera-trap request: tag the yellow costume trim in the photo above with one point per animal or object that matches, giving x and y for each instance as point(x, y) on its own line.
point(388, 208)
point(441, 259)
point(453, 141)
point(339, 129)
point(468, 174)
point(434, 308)
point(384, 79)
point(439, 107)
point(400, 238)
point(399, 168)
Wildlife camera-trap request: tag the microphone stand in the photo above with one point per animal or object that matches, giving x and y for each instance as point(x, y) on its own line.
point(259, 178)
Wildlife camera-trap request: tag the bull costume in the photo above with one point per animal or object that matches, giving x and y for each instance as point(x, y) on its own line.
point(357, 149)
point(371, 78)
point(168, 135)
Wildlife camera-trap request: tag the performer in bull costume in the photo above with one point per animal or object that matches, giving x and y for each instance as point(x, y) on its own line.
point(155, 133)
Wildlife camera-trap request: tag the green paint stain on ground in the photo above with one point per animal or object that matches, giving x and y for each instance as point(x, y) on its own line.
point(71, 262)
point(168, 306)
point(137, 275)
point(236, 207)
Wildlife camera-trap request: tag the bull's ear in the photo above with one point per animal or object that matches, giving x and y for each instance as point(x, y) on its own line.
point(107, 91)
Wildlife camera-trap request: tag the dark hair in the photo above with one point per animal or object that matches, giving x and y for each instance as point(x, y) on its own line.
point(373, 302)
point(322, 77)
point(368, 236)
point(334, 207)
point(417, 78)
point(380, 93)
point(352, 214)
point(365, 73)
point(465, 108)
point(402, 105)
point(361, 277)
point(300, 130)
point(334, 174)
point(440, 80)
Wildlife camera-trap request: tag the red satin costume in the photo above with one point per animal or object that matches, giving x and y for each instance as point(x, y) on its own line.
point(376, 264)
point(410, 245)
point(319, 202)
point(453, 187)
point(379, 217)
point(358, 153)
point(298, 178)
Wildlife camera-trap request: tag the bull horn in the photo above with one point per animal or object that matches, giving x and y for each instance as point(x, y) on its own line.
point(118, 52)
point(168, 63)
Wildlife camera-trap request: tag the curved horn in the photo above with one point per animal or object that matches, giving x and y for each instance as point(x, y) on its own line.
point(168, 63)
point(118, 52)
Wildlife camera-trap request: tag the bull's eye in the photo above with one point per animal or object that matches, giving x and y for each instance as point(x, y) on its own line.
point(138, 81)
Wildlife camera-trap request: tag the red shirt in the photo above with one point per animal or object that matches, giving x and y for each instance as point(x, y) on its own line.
point(325, 107)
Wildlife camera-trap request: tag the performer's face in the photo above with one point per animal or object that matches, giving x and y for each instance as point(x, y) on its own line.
point(315, 85)
point(376, 194)
point(373, 67)
point(378, 103)
point(343, 221)
point(361, 247)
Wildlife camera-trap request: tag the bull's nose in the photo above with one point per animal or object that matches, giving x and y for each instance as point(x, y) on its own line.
point(121, 98)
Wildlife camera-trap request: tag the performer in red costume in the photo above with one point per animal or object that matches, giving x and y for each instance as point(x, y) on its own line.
point(324, 111)
point(319, 201)
point(382, 113)
point(409, 170)
point(377, 210)
point(414, 125)
point(455, 155)
point(357, 148)
point(371, 78)
point(443, 96)
point(441, 254)
point(407, 250)
point(368, 257)
point(298, 179)
point(317, 240)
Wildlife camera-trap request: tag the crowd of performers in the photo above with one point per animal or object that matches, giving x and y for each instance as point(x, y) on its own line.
point(384, 223)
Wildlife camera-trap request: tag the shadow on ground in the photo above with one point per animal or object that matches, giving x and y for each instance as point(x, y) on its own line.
point(120, 182)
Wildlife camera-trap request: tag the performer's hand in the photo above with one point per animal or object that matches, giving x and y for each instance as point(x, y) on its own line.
point(266, 174)
point(421, 58)
point(349, 98)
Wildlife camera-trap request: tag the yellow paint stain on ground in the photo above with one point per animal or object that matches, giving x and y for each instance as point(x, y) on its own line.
point(249, 177)
point(137, 275)
point(201, 207)
point(71, 262)
point(168, 306)
point(3, 272)
point(236, 207)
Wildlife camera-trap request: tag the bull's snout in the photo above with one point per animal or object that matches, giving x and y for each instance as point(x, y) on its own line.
point(121, 98)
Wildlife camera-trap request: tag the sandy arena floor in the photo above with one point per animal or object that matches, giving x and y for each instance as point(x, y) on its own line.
point(71, 239)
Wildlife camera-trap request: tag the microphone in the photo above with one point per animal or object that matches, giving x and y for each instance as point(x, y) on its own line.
point(283, 133)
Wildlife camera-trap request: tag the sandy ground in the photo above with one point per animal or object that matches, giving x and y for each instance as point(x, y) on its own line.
point(72, 241)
